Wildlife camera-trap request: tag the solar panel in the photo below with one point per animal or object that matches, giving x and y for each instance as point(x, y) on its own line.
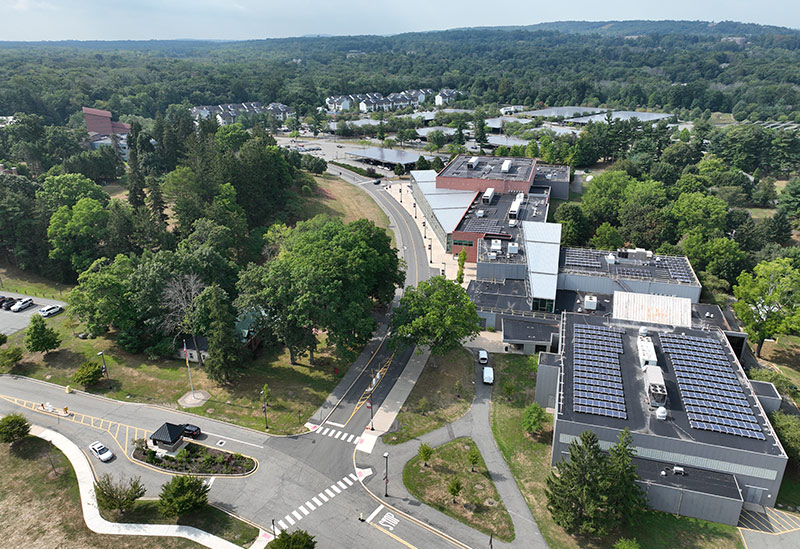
point(629, 272)
point(597, 380)
point(712, 393)
point(582, 258)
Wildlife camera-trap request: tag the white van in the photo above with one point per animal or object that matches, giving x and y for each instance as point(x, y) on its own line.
point(483, 357)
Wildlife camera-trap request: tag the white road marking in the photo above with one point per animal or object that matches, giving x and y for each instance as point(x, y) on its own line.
point(350, 438)
point(310, 506)
point(342, 485)
point(337, 434)
point(353, 476)
point(331, 494)
point(334, 424)
point(336, 489)
point(357, 440)
point(318, 502)
point(304, 510)
point(290, 520)
point(322, 496)
point(234, 440)
point(283, 524)
point(372, 515)
point(332, 432)
point(298, 515)
point(348, 481)
point(325, 432)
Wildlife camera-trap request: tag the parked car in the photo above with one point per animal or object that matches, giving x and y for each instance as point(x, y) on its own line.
point(8, 303)
point(483, 357)
point(50, 310)
point(376, 182)
point(192, 431)
point(101, 452)
point(488, 375)
point(22, 304)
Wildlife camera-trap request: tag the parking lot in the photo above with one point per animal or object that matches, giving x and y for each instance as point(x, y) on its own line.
point(13, 322)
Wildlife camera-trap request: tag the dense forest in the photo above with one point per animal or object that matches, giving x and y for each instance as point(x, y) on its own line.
point(677, 67)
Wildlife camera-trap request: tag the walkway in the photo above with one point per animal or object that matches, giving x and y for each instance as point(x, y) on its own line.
point(91, 513)
point(475, 424)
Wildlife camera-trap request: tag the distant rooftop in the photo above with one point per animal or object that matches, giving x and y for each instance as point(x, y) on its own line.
point(622, 115)
point(489, 168)
point(566, 112)
point(505, 140)
point(547, 173)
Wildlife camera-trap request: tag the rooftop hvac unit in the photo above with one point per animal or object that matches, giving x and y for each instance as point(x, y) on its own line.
point(513, 248)
point(506, 167)
point(590, 303)
point(611, 259)
point(472, 163)
point(480, 213)
point(492, 256)
point(496, 245)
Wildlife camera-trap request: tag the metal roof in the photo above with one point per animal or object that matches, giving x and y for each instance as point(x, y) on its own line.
point(448, 205)
point(653, 309)
point(506, 140)
point(566, 112)
point(623, 115)
point(388, 156)
point(542, 249)
point(542, 232)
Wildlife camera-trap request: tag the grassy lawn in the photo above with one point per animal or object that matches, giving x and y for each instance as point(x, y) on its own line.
point(790, 488)
point(761, 213)
point(784, 353)
point(529, 460)
point(41, 508)
point(299, 388)
point(340, 199)
point(15, 280)
point(210, 519)
point(478, 505)
point(436, 385)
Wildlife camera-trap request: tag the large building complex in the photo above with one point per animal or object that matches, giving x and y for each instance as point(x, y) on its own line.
point(703, 442)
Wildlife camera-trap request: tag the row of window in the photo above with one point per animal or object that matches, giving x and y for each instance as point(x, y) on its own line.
point(467, 243)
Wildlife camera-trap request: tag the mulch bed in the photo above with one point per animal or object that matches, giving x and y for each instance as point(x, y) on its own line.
point(196, 459)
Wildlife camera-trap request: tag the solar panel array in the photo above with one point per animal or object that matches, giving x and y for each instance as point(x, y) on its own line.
point(582, 258)
point(630, 272)
point(596, 377)
point(711, 392)
point(679, 269)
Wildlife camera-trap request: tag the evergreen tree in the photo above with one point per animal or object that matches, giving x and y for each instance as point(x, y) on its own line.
point(480, 131)
point(626, 499)
point(577, 493)
point(181, 495)
point(437, 164)
point(777, 228)
point(155, 201)
point(423, 164)
point(39, 338)
point(299, 539)
point(136, 194)
point(217, 320)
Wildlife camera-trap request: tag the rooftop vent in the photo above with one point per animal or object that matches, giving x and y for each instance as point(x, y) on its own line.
point(678, 470)
point(506, 167)
point(661, 413)
point(472, 163)
point(611, 259)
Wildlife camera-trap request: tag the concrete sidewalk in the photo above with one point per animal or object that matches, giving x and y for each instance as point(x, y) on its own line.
point(385, 416)
point(91, 513)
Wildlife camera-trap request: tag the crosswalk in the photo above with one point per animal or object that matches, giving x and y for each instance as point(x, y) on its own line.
point(335, 434)
point(320, 499)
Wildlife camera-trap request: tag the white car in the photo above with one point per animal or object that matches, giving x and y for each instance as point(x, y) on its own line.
point(50, 310)
point(22, 304)
point(488, 375)
point(100, 451)
point(483, 357)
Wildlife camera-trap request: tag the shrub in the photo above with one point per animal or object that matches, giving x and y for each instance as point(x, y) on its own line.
point(458, 388)
point(14, 427)
point(298, 539)
point(474, 457)
point(625, 543)
point(181, 495)
point(118, 496)
point(89, 373)
point(533, 418)
point(151, 457)
point(454, 487)
point(424, 452)
point(140, 444)
point(423, 405)
point(9, 357)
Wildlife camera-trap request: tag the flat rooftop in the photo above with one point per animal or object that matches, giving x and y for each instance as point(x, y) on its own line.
point(566, 112)
point(505, 140)
point(528, 329)
point(709, 399)
point(388, 156)
point(448, 205)
point(622, 115)
point(489, 168)
point(549, 173)
point(424, 132)
point(660, 268)
point(694, 479)
point(495, 219)
point(509, 296)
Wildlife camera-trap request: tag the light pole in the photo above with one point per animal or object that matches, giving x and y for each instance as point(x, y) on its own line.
point(371, 425)
point(264, 409)
point(430, 247)
point(274, 533)
point(386, 475)
point(415, 210)
point(401, 192)
point(102, 355)
point(424, 230)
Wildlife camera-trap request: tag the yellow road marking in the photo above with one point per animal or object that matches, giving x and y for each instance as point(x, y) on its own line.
point(757, 518)
point(780, 519)
point(365, 396)
point(404, 542)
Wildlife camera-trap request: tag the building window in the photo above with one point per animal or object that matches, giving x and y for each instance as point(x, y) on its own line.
point(467, 243)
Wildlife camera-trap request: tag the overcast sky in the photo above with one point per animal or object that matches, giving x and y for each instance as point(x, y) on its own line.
point(246, 19)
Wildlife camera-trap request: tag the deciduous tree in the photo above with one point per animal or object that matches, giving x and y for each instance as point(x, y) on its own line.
point(39, 338)
point(181, 495)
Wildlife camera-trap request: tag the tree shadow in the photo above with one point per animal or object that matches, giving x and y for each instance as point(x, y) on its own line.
point(31, 448)
point(63, 359)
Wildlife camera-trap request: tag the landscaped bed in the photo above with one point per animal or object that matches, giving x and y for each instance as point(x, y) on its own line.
point(197, 460)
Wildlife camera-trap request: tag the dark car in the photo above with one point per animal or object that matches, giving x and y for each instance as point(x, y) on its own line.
point(190, 430)
point(8, 303)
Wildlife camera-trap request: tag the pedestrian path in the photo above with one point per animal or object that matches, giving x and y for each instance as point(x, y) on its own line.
point(334, 433)
point(770, 521)
point(320, 499)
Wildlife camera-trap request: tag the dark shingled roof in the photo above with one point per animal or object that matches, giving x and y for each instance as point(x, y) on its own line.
point(169, 433)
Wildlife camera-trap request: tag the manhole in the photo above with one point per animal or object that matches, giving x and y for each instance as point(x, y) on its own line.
point(220, 443)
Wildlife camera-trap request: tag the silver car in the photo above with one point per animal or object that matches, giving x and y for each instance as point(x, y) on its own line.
point(101, 452)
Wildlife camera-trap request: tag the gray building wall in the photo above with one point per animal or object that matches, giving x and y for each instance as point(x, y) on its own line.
point(546, 388)
point(430, 218)
point(606, 285)
point(501, 271)
point(762, 473)
point(559, 189)
point(687, 503)
point(490, 318)
point(769, 403)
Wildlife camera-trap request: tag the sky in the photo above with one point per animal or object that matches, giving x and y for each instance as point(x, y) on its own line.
point(253, 19)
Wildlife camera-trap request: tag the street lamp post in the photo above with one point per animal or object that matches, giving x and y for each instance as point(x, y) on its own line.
point(371, 425)
point(415, 210)
point(430, 247)
point(424, 230)
point(386, 475)
point(264, 409)
point(102, 355)
point(401, 193)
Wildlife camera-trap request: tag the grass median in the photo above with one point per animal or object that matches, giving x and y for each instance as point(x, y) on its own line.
point(478, 504)
point(528, 457)
point(443, 393)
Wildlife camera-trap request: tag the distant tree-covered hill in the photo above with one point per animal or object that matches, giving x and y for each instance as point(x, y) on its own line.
point(639, 27)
